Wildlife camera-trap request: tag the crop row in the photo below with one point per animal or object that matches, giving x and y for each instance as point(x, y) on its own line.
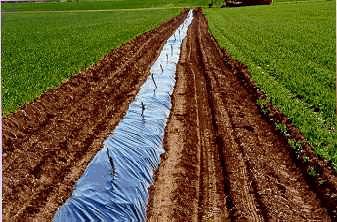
point(40, 50)
point(290, 52)
point(99, 5)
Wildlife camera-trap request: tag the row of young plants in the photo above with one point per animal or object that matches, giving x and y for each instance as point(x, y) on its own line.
point(290, 52)
point(40, 50)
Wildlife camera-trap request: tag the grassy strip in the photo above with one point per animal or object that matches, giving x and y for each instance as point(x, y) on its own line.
point(41, 50)
point(290, 52)
point(97, 5)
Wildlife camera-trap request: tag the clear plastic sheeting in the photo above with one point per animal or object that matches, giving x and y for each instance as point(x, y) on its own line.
point(114, 187)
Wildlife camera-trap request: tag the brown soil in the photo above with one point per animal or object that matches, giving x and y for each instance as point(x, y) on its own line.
point(224, 159)
point(48, 143)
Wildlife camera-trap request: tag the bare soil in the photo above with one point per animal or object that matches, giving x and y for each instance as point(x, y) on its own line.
point(224, 159)
point(48, 143)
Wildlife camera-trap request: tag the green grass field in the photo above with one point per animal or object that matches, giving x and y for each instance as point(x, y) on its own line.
point(296, 1)
point(290, 52)
point(116, 4)
point(99, 5)
point(40, 50)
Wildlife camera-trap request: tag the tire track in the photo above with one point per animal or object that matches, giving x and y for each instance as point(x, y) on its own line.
point(280, 189)
point(232, 163)
point(223, 160)
point(194, 169)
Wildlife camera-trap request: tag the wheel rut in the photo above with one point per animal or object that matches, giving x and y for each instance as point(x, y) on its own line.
point(230, 162)
point(224, 160)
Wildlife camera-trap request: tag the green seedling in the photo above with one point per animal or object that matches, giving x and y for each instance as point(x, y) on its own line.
point(295, 145)
point(293, 61)
point(282, 128)
point(312, 172)
point(41, 50)
point(262, 103)
point(322, 182)
point(306, 159)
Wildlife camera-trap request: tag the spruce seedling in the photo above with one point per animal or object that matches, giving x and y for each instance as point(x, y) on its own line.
point(143, 109)
point(161, 67)
point(111, 164)
point(152, 77)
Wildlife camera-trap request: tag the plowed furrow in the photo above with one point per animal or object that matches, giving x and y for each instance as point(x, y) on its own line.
point(242, 167)
point(279, 187)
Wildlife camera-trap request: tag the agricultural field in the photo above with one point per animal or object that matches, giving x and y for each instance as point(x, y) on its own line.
point(150, 112)
point(102, 5)
point(290, 52)
point(41, 50)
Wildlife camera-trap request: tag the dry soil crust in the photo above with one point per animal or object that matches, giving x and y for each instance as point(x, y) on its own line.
point(224, 160)
point(48, 143)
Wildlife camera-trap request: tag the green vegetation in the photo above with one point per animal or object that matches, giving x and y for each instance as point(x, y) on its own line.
point(282, 128)
point(290, 52)
point(101, 5)
point(40, 50)
point(295, 1)
point(312, 172)
point(297, 147)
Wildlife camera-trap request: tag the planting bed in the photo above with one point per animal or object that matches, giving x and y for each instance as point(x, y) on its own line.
point(224, 159)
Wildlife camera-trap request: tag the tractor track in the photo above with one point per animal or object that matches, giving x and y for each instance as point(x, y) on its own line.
point(49, 142)
point(224, 160)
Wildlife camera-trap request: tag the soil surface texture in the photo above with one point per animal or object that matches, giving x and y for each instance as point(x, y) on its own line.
point(224, 160)
point(48, 143)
